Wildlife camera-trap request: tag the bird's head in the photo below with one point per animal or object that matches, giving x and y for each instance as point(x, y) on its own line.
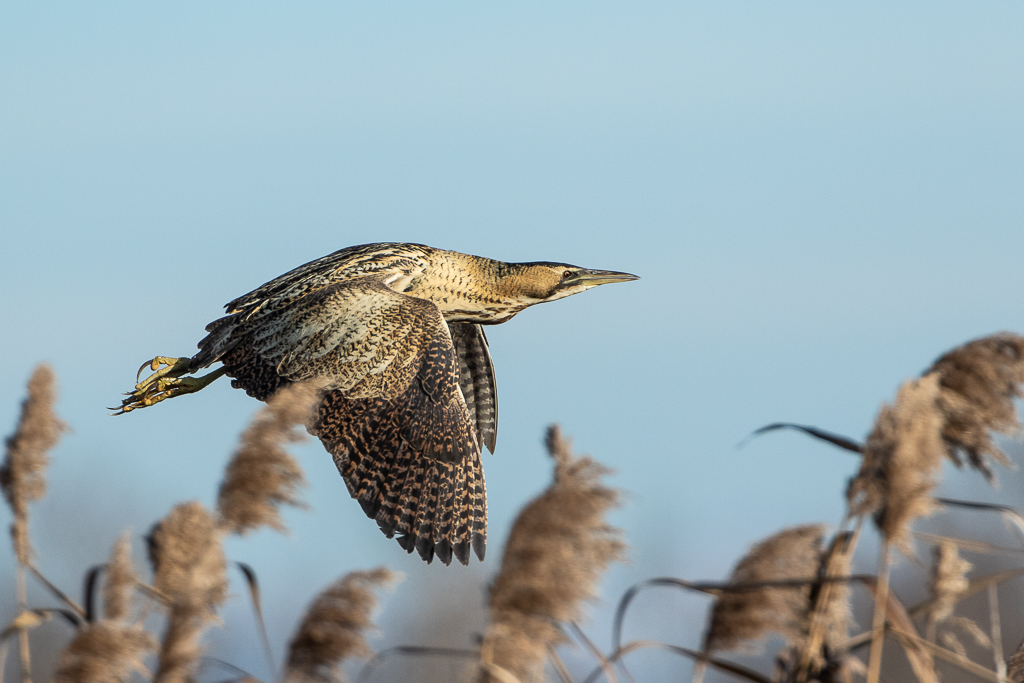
point(542, 281)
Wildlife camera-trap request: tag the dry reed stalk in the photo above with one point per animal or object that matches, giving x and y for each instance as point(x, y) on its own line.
point(996, 630)
point(262, 476)
point(104, 652)
point(899, 470)
point(120, 580)
point(190, 570)
point(948, 582)
point(23, 478)
point(967, 626)
point(334, 627)
point(558, 550)
point(821, 652)
point(23, 474)
point(108, 651)
point(739, 619)
point(978, 383)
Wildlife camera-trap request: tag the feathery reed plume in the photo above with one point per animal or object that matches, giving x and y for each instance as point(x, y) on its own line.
point(948, 582)
point(902, 459)
point(22, 476)
point(104, 652)
point(108, 651)
point(334, 626)
point(23, 480)
point(262, 475)
point(821, 651)
point(898, 472)
point(190, 570)
point(741, 618)
point(120, 580)
point(978, 383)
point(559, 548)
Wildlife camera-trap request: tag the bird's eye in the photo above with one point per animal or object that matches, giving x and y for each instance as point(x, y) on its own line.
point(566, 274)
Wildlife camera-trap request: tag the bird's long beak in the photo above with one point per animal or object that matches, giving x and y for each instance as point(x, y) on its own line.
point(600, 277)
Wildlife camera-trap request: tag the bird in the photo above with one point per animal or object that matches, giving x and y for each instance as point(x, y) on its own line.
point(393, 335)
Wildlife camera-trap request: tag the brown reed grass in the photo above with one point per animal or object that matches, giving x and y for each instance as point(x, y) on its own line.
point(262, 476)
point(901, 462)
point(23, 474)
point(740, 619)
point(23, 479)
point(104, 652)
point(558, 549)
point(899, 469)
point(109, 650)
point(821, 650)
point(120, 582)
point(966, 626)
point(190, 571)
point(978, 383)
point(947, 583)
point(334, 627)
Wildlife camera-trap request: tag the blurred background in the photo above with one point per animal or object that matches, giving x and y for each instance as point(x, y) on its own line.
point(820, 198)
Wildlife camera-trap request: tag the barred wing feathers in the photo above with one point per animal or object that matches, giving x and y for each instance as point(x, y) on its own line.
point(393, 414)
point(476, 377)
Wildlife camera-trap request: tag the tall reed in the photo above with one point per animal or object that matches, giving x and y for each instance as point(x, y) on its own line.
point(557, 551)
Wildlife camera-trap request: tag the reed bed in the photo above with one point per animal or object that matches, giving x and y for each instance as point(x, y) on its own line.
point(794, 591)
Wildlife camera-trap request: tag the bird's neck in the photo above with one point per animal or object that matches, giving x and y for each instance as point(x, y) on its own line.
point(470, 288)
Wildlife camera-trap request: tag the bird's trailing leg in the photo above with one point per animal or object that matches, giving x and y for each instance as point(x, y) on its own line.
point(165, 382)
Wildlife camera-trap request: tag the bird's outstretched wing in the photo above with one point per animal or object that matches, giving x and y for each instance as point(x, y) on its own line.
point(393, 413)
point(476, 377)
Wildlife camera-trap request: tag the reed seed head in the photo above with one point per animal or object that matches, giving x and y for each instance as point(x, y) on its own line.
point(831, 606)
point(901, 462)
point(262, 476)
point(23, 473)
point(190, 571)
point(189, 563)
point(740, 619)
point(104, 652)
point(120, 580)
point(334, 627)
point(558, 550)
point(948, 581)
point(978, 383)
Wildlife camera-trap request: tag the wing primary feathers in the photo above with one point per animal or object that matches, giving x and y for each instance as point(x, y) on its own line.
point(409, 403)
point(476, 379)
point(462, 511)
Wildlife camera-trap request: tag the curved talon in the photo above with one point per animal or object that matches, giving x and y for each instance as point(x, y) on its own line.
point(165, 383)
point(176, 367)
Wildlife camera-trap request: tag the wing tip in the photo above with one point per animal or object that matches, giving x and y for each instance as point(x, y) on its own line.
point(462, 552)
point(479, 545)
point(425, 547)
point(443, 550)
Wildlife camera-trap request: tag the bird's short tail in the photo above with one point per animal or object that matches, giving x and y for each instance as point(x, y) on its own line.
point(436, 508)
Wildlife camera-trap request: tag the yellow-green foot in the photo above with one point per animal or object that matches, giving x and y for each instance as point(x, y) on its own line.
point(166, 382)
point(176, 367)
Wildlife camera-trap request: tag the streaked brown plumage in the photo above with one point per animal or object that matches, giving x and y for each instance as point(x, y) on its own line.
point(393, 332)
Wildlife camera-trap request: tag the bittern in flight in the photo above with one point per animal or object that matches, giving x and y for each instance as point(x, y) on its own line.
point(393, 333)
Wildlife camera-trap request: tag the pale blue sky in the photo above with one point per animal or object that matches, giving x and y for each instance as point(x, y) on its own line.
point(819, 197)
